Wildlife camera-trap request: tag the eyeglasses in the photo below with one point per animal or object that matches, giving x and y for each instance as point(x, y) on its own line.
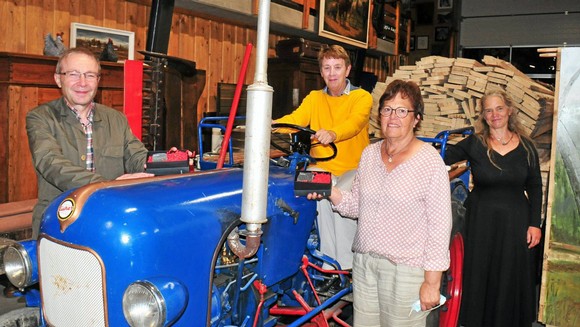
point(75, 76)
point(401, 112)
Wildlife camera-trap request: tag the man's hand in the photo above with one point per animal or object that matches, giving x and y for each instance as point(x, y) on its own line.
point(174, 149)
point(323, 136)
point(134, 175)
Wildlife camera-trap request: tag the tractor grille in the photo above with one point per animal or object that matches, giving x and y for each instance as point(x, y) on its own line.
point(72, 285)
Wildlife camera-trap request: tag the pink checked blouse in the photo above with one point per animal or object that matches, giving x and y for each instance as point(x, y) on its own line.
point(403, 215)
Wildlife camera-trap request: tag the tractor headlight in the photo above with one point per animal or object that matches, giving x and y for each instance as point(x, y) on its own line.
point(20, 264)
point(154, 302)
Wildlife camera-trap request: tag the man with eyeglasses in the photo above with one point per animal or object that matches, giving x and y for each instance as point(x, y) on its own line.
point(75, 141)
point(338, 113)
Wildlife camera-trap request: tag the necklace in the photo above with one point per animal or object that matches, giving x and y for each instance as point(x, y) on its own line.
point(499, 139)
point(391, 155)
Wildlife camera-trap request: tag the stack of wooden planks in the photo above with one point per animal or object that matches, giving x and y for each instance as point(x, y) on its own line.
point(452, 89)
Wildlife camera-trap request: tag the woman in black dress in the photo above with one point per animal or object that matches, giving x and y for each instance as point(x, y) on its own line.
point(503, 218)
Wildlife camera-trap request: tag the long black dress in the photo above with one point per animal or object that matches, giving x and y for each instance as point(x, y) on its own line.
point(499, 283)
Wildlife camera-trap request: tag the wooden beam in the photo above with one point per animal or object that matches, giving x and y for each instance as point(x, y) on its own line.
point(305, 13)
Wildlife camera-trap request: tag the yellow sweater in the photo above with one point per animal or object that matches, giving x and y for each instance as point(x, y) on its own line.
point(346, 115)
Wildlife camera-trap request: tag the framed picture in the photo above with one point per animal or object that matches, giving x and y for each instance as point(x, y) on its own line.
point(412, 43)
point(441, 33)
point(345, 21)
point(106, 43)
point(422, 42)
point(444, 4)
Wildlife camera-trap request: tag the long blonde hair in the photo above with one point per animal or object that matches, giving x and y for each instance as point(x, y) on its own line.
point(482, 130)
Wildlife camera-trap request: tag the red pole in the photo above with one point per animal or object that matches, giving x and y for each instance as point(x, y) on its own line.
point(234, 107)
point(133, 96)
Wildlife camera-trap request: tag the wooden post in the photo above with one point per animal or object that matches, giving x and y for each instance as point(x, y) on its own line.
point(397, 27)
point(305, 13)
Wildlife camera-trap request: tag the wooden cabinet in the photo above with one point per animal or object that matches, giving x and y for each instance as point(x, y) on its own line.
point(292, 80)
point(26, 81)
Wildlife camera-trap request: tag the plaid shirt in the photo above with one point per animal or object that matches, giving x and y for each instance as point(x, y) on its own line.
point(88, 129)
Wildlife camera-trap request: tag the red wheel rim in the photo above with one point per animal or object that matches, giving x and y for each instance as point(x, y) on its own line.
point(449, 314)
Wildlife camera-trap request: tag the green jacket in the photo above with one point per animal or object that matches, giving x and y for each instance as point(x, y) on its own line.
point(59, 145)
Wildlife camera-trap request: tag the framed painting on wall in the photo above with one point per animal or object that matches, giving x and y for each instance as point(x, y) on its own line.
point(422, 42)
point(441, 33)
point(345, 21)
point(102, 39)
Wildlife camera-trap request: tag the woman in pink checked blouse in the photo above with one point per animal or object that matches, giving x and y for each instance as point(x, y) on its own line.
point(401, 198)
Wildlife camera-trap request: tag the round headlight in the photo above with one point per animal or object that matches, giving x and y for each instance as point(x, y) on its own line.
point(143, 305)
point(18, 266)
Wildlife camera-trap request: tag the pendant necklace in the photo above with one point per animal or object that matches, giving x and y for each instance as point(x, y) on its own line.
point(391, 155)
point(499, 139)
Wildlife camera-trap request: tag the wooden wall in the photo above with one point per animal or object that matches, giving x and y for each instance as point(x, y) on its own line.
point(216, 46)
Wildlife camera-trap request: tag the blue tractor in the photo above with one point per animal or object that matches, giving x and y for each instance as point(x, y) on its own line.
point(218, 247)
point(173, 251)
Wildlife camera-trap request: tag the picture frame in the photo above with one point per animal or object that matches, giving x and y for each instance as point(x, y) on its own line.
point(444, 4)
point(412, 43)
point(96, 38)
point(441, 33)
point(345, 21)
point(422, 42)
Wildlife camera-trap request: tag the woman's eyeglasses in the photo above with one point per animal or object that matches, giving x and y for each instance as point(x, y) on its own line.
point(401, 112)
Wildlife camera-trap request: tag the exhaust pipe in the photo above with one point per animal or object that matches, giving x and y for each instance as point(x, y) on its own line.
point(257, 145)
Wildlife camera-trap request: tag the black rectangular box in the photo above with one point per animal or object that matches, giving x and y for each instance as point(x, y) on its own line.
point(312, 181)
point(161, 167)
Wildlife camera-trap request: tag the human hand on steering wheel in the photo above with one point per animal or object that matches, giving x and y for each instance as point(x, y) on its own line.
point(324, 136)
point(296, 144)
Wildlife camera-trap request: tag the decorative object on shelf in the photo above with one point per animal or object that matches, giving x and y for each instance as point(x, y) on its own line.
point(345, 21)
point(53, 47)
point(98, 38)
point(422, 42)
point(444, 4)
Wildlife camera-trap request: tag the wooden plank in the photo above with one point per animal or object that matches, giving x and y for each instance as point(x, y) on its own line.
point(502, 71)
point(6, 28)
point(63, 16)
point(483, 69)
point(467, 111)
point(457, 79)
point(33, 27)
point(113, 9)
point(228, 71)
point(215, 64)
point(18, 21)
point(496, 76)
point(187, 32)
point(475, 94)
point(500, 81)
point(20, 186)
point(202, 37)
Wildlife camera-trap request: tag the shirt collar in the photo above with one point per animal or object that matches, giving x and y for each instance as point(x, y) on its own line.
point(76, 112)
point(346, 90)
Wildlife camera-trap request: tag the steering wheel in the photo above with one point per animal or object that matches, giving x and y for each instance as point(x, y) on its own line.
point(300, 142)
